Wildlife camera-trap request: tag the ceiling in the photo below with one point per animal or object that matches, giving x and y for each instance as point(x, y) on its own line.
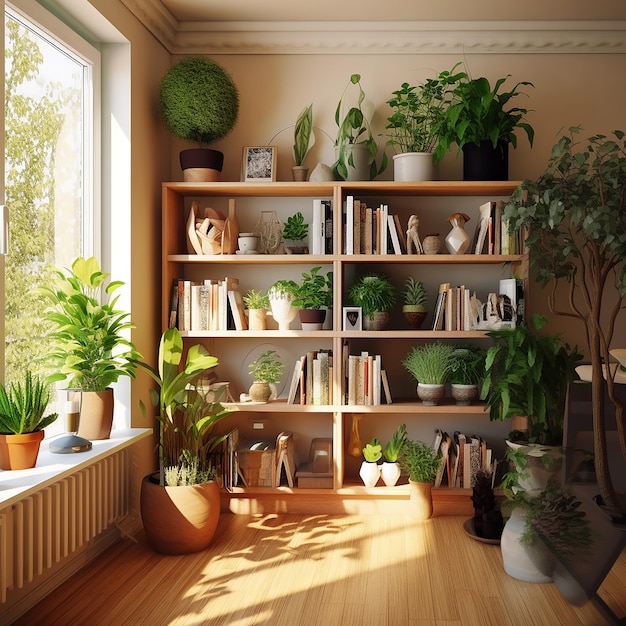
point(390, 10)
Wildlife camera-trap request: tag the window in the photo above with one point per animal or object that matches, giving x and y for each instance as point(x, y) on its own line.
point(51, 84)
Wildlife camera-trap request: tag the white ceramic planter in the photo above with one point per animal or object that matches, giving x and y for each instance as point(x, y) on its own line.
point(369, 473)
point(390, 473)
point(413, 166)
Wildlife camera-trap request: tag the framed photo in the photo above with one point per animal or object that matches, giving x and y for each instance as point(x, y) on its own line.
point(352, 318)
point(259, 164)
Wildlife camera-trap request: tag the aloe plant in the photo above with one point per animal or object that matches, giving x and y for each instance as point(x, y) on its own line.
point(392, 450)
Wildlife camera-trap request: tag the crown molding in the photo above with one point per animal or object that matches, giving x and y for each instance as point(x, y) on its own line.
point(434, 37)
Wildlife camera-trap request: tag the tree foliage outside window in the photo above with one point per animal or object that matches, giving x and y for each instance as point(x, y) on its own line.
point(43, 174)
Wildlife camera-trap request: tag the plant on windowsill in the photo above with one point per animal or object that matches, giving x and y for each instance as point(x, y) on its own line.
point(180, 505)
point(429, 364)
point(89, 348)
point(480, 117)
point(22, 421)
point(415, 307)
point(313, 294)
point(266, 370)
point(295, 232)
point(199, 102)
point(375, 294)
point(355, 147)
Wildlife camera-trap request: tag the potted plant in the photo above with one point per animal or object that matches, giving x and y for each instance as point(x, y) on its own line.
point(355, 147)
point(415, 307)
point(89, 349)
point(416, 112)
point(295, 232)
point(180, 505)
point(257, 303)
point(370, 470)
point(303, 141)
point(429, 365)
point(199, 102)
point(488, 521)
point(266, 370)
point(313, 293)
point(22, 421)
point(375, 294)
point(390, 469)
point(481, 121)
point(421, 463)
point(574, 214)
point(281, 295)
point(467, 369)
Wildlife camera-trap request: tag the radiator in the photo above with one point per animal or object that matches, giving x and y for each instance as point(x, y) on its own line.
point(42, 531)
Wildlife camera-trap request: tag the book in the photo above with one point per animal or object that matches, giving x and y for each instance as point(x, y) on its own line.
point(369, 231)
point(482, 228)
point(349, 224)
point(444, 459)
point(237, 309)
point(386, 388)
point(439, 312)
point(316, 227)
point(295, 380)
point(173, 318)
point(395, 240)
point(327, 209)
point(402, 235)
point(356, 227)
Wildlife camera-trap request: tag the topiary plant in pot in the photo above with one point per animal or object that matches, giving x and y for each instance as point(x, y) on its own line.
point(481, 119)
point(575, 214)
point(199, 102)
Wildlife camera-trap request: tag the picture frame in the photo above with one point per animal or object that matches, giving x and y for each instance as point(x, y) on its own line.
point(352, 318)
point(259, 164)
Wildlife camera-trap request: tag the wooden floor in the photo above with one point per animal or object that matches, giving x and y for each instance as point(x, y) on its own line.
point(304, 570)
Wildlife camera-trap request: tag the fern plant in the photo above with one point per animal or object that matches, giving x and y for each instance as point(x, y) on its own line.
point(23, 405)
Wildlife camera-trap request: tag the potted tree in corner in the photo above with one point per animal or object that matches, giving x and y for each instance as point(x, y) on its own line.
point(421, 463)
point(22, 421)
point(375, 294)
point(416, 112)
point(180, 504)
point(355, 147)
point(575, 215)
point(312, 295)
point(429, 365)
point(199, 102)
point(89, 349)
point(482, 122)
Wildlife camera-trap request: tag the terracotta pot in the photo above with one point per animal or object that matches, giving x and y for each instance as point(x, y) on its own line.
point(19, 451)
point(96, 414)
point(179, 520)
point(299, 173)
point(420, 500)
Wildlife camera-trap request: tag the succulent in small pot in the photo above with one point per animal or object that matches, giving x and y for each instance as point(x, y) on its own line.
point(415, 307)
point(374, 293)
point(22, 421)
point(390, 470)
point(429, 365)
point(295, 232)
point(370, 470)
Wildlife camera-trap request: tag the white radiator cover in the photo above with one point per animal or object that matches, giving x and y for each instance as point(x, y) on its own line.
point(43, 530)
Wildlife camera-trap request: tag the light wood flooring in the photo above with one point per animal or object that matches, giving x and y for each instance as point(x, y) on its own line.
point(301, 570)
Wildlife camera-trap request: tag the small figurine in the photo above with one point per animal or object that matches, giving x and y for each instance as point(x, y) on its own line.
point(413, 237)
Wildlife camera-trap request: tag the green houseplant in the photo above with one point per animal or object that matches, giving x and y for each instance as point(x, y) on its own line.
point(375, 294)
point(574, 212)
point(415, 306)
point(22, 421)
point(180, 505)
point(89, 349)
point(429, 364)
point(295, 232)
point(467, 369)
point(199, 102)
point(303, 140)
point(370, 469)
point(416, 112)
point(354, 132)
point(390, 470)
point(257, 303)
point(314, 292)
point(266, 369)
point(481, 117)
point(421, 463)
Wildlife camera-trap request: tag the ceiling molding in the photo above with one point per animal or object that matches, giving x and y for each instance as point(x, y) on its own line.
point(489, 37)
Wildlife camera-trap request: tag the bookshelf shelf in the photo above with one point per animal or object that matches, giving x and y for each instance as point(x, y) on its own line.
point(433, 202)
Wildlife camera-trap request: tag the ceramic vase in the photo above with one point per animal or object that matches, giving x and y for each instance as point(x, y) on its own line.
point(420, 500)
point(413, 166)
point(430, 395)
point(390, 473)
point(369, 473)
point(463, 394)
point(457, 240)
point(257, 319)
point(282, 310)
point(260, 391)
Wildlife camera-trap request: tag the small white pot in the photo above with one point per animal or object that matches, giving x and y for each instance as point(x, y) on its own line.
point(390, 473)
point(369, 473)
point(413, 166)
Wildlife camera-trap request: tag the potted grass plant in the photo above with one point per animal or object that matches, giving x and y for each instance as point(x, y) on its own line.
point(355, 147)
point(482, 122)
point(180, 504)
point(421, 463)
point(89, 348)
point(199, 102)
point(23, 408)
point(429, 364)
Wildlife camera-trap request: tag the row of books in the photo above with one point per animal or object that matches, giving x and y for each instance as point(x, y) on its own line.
point(207, 305)
point(371, 230)
point(312, 379)
point(491, 235)
point(462, 457)
point(365, 380)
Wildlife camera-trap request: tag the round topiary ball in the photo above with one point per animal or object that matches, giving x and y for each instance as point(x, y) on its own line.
point(199, 100)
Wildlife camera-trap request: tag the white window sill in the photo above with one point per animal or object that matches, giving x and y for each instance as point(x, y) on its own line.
point(15, 484)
